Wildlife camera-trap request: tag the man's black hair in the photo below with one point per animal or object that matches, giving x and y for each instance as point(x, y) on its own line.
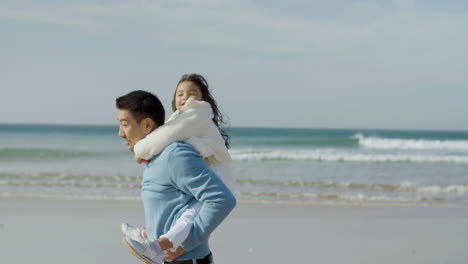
point(142, 104)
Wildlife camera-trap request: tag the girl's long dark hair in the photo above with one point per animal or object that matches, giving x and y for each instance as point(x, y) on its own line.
point(202, 83)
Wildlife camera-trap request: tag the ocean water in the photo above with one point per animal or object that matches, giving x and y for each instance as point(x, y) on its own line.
point(270, 165)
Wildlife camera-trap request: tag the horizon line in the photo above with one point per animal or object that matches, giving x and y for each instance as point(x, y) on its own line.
point(251, 127)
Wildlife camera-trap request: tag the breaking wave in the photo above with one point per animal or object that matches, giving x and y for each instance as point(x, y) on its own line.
point(410, 144)
point(333, 155)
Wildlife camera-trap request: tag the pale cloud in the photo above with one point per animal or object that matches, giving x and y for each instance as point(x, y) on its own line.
point(370, 53)
point(367, 32)
point(49, 14)
point(365, 27)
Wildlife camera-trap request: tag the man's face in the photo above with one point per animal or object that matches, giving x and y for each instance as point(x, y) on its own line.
point(130, 130)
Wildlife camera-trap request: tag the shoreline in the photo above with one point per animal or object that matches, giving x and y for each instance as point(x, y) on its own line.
point(10, 196)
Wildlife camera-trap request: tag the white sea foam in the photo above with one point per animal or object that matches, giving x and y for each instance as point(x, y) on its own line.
point(436, 189)
point(360, 197)
point(405, 187)
point(408, 144)
point(357, 197)
point(5, 195)
point(334, 155)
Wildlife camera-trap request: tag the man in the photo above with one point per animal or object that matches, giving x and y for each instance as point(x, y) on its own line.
point(173, 181)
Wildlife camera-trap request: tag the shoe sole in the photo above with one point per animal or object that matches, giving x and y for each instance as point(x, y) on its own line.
point(134, 252)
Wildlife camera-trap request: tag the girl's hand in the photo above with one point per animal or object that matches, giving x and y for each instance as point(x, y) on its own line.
point(164, 243)
point(140, 160)
point(169, 256)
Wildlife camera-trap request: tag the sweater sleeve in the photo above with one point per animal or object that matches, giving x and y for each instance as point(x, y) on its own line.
point(193, 121)
point(192, 176)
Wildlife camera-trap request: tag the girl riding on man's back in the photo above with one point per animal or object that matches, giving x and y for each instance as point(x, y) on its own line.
point(197, 121)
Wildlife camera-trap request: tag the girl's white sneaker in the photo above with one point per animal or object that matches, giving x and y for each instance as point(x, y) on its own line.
point(134, 233)
point(145, 251)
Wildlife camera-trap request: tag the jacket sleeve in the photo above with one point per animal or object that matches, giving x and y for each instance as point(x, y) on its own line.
point(192, 176)
point(193, 121)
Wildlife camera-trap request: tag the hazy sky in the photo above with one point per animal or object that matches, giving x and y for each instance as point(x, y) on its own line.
point(336, 63)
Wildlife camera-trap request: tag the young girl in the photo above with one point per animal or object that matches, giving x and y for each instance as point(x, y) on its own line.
point(197, 121)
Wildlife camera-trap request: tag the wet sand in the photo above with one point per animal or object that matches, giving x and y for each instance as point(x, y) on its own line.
point(87, 231)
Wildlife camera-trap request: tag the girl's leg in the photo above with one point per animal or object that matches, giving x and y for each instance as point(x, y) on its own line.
point(181, 229)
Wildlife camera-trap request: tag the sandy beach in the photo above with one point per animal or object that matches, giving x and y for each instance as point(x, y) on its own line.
point(87, 231)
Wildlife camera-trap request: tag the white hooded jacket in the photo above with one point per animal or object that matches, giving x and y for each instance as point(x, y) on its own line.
point(193, 124)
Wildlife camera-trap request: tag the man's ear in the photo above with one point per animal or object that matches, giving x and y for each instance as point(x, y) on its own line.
point(148, 125)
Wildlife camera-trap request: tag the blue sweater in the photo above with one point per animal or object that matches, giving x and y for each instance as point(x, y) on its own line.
point(174, 181)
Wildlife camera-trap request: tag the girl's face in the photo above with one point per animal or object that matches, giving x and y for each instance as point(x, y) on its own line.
point(184, 91)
